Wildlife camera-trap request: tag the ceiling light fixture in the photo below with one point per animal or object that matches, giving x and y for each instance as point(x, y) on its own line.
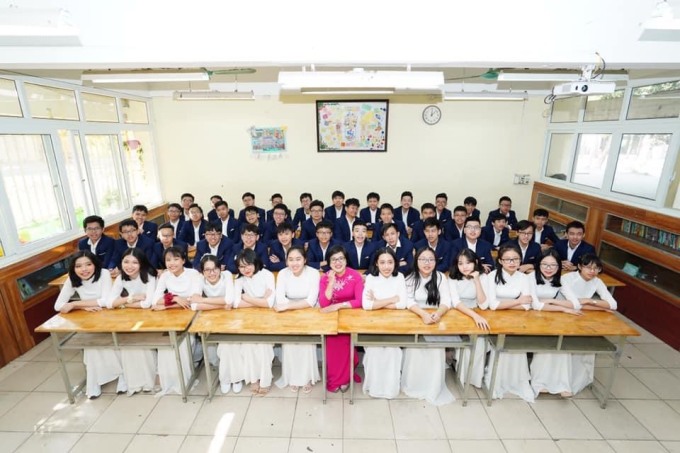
point(213, 96)
point(486, 96)
point(552, 77)
point(145, 76)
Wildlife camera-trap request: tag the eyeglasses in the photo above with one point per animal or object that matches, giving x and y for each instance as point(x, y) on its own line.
point(128, 231)
point(427, 260)
point(249, 235)
point(510, 260)
point(591, 269)
point(338, 259)
point(549, 266)
point(525, 233)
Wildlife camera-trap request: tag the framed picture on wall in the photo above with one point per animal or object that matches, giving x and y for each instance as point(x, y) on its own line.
point(351, 126)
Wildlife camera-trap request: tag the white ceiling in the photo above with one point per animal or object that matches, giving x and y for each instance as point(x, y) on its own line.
point(462, 38)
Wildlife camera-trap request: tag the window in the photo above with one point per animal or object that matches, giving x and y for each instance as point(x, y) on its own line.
point(99, 108)
point(661, 100)
point(604, 107)
point(51, 103)
point(104, 159)
point(9, 99)
point(76, 174)
point(592, 153)
point(640, 163)
point(566, 110)
point(134, 112)
point(141, 167)
point(559, 156)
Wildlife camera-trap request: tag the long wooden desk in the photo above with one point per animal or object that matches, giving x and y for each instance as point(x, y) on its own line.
point(263, 325)
point(405, 329)
point(118, 329)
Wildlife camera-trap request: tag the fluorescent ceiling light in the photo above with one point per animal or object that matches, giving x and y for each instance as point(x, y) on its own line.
point(359, 81)
point(145, 76)
point(551, 77)
point(43, 27)
point(214, 95)
point(486, 96)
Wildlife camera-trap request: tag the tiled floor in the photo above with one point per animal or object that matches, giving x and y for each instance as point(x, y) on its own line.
point(643, 416)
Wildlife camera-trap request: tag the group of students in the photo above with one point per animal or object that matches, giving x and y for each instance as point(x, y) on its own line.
point(395, 280)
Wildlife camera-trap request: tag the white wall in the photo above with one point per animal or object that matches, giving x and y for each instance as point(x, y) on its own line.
point(203, 147)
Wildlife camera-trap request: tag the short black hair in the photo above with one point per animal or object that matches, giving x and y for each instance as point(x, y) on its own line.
point(140, 207)
point(318, 203)
point(472, 219)
point(248, 194)
point(249, 228)
point(175, 205)
point(285, 226)
point(214, 226)
point(187, 194)
point(470, 200)
point(504, 198)
point(352, 202)
point(460, 208)
point(497, 216)
point(524, 224)
point(375, 195)
point(358, 222)
point(427, 205)
point(221, 203)
point(304, 195)
point(93, 219)
point(432, 221)
point(589, 259)
point(406, 193)
point(441, 195)
point(324, 224)
point(276, 195)
point(127, 222)
point(540, 212)
point(338, 193)
point(575, 224)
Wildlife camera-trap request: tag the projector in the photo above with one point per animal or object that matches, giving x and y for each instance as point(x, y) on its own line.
point(583, 88)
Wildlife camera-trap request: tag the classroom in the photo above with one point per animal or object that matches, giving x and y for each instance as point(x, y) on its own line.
point(566, 107)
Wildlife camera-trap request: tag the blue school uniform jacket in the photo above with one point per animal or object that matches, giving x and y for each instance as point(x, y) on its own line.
point(150, 230)
point(120, 245)
point(308, 231)
point(103, 250)
point(330, 215)
point(488, 235)
point(583, 248)
point(242, 215)
point(451, 232)
point(404, 252)
point(187, 233)
point(476, 213)
point(400, 226)
point(365, 215)
point(510, 218)
point(342, 231)
point(483, 250)
point(357, 262)
point(445, 217)
point(158, 250)
point(532, 253)
point(442, 253)
point(411, 217)
point(212, 215)
point(223, 251)
point(417, 232)
point(299, 217)
point(315, 255)
point(233, 230)
point(260, 251)
point(547, 234)
point(276, 249)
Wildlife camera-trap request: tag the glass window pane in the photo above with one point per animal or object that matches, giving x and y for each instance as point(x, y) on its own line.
point(9, 99)
point(640, 162)
point(559, 156)
point(134, 112)
point(592, 153)
point(104, 159)
point(673, 197)
point(76, 173)
point(99, 108)
point(141, 167)
point(51, 103)
point(604, 107)
point(661, 100)
point(566, 110)
point(30, 186)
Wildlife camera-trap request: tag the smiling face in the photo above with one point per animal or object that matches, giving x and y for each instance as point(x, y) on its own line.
point(173, 214)
point(279, 216)
point(195, 214)
point(391, 237)
point(130, 266)
point(432, 234)
point(186, 202)
point(94, 231)
point(324, 236)
point(510, 260)
point(222, 212)
point(406, 202)
point(139, 217)
point(426, 263)
point(351, 210)
point(589, 272)
point(246, 269)
point(441, 203)
point(285, 237)
point(575, 236)
point(465, 266)
point(295, 262)
point(548, 267)
point(252, 217)
point(459, 218)
point(174, 264)
point(166, 236)
point(305, 203)
point(211, 272)
point(338, 263)
point(373, 203)
point(129, 233)
point(385, 264)
point(249, 239)
point(359, 234)
point(84, 268)
point(472, 230)
point(386, 215)
point(213, 238)
point(524, 236)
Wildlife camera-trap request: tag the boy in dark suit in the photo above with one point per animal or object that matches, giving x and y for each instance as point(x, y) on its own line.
point(471, 240)
point(441, 200)
point(130, 237)
point(455, 229)
point(359, 250)
point(214, 243)
point(371, 213)
point(504, 205)
point(432, 237)
point(308, 228)
point(187, 200)
point(530, 249)
point(387, 216)
point(146, 228)
point(95, 240)
point(175, 217)
point(337, 209)
point(402, 248)
point(470, 204)
point(544, 233)
point(249, 240)
point(496, 233)
point(317, 248)
point(407, 214)
point(278, 248)
point(573, 247)
point(302, 213)
point(225, 217)
point(279, 216)
point(342, 231)
point(427, 210)
point(248, 199)
point(275, 199)
point(167, 239)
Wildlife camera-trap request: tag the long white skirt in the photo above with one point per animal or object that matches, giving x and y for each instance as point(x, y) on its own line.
point(558, 373)
point(139, 368)
point(257, 361)
point(462, 357)
point(102, 366)
point(299, 365)
point(232, 368)
point(423, 375)
point(167, 369)
point(512, 376)
point(382, 371)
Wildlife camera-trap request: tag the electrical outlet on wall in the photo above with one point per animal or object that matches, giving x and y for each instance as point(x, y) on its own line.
point(522, 179)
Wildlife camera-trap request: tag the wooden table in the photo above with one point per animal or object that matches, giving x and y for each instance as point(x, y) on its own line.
point(118, 329)
point(403, 328)
point(551, 332)
point(611, 282)
point(263, 325)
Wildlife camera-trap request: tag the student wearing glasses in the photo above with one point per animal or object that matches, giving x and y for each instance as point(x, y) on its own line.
point(504, 208)
point(471, 240)
point(530, 249)
point(249, 240)
point(308, 227)
point(95, 240)
point(216, 244)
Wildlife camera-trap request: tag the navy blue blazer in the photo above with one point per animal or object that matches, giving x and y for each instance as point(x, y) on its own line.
point(365, 215)
point(329, 213)
point(269, 232)
point(411, 217)
point(583, 248)
point(180, 224)
point(418, 232)
point(260, 251)
point(400, 226)
point(341, 230)
point(233, 230)
point(276, 249)
point(488, 235)
point(532, 253)
point(315, 255)
point(158, 250)
point(242, 215)
point(307, 230)
point(187, 233)
point(444, 218)
point(150, 230)
point(405, 252)
point(451, 232)
point(212, 215)
point(476, 213)
point(299, 217)
point(511, 218)
point(103, 250)
point(360, 262)
point(483, 250)
point(547, 234)
point(120, 246)
point(442, 253)
point(223, 251)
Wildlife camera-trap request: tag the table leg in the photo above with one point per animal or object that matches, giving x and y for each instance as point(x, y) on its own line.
point(208, 368)
point(468, 373)
point(62, 367)
point(500, 345)
point(351, 368)
point(324, 376)
point(612, 371)
point(180, 372)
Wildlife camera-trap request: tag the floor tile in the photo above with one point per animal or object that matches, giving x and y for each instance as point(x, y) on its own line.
point(530, 446)
point(315, 419)
point(10, 399)
point(305, 445)
point(367, 419)
point(146, 443)
point(102, 443)
point(583, 446)
point(675, 404)
point(634, 357)
point(78, 417)
point(33, 411)
point(625, 386)
point(172, 416)
point(269, 417)
point(672, 447)
point(220, 417)
point(11, 441)
point(49, 443)
point(416, 420)
point(614, 422)
point(366, 445)
point(659, 418)
point(55, 382)
point(636, 446)
point(477, 446)
point(420, 446)
point(211, 444)
point(470, 422)
point(662, 353)
point(514, 419)
point(28, 377)
point(126, 414)
point(48, 355)
point(674, 372)
point(564, 420)
point(35, 351)
point(660, 381)
point(644, 337)
point(10, 368)
point(261, 444)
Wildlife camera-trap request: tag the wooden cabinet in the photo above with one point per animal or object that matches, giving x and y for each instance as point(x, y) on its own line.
point(637, 246)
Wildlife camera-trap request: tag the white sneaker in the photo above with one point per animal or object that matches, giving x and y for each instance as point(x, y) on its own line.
point(225, 388)
point(238, 386)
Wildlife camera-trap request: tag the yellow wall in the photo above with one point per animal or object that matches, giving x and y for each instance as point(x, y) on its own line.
point(477, 147)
